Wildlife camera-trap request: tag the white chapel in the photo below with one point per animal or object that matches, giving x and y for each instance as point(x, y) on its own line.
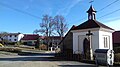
point(91, 35)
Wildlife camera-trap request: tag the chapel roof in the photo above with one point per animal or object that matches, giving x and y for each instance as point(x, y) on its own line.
point(92, 24)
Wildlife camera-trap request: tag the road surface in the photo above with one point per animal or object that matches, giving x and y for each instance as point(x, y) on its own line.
point(37, 60)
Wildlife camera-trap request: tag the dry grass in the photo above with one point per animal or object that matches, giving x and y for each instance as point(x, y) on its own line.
point(9, 49)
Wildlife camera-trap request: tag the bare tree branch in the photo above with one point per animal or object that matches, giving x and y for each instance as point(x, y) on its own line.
point(61, 26)
point(47, 27)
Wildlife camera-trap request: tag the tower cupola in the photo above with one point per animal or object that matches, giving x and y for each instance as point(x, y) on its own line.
point(91, 13)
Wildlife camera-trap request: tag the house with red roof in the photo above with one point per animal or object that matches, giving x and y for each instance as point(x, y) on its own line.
point(13, 37)
point(30, 39)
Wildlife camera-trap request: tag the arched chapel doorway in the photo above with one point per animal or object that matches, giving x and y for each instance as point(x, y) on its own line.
point(86, 48)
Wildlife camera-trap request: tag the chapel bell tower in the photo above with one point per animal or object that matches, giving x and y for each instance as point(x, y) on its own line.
point(91, 13)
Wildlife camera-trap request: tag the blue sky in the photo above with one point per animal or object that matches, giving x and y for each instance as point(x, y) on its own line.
point(15, 15)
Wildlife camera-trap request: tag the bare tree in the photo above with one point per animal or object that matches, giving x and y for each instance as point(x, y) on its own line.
point(49, 25)
point(46, 27)
point(61, 26)
point(35, 31)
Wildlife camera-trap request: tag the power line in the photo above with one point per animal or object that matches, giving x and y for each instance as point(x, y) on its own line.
point(108, 5)
point(113, 19)
point(109, 13)
point(105, 8)
point(5, 5)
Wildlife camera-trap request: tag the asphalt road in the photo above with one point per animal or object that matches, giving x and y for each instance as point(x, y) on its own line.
point(37, 60)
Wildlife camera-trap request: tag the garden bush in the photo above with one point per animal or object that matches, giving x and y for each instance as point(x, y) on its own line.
point(43, 47)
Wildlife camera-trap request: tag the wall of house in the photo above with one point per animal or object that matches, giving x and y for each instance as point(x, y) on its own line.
point(12, 38)
point(103, 34)
point(29, 42)
point(15, 38)
point(97, 40)
point(67, 43)
point(20, 36)
point(78, 38)
point(55, 41)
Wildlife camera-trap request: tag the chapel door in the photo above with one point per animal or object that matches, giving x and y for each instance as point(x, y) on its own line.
point(86, 48)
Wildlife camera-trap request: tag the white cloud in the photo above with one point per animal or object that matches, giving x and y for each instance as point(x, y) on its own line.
point(114, 24)
point(66, 10)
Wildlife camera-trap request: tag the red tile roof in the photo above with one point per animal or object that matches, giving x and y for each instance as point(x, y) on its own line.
point(30, 37)
point(52, 37)
point(92, 24)
point(116, 37)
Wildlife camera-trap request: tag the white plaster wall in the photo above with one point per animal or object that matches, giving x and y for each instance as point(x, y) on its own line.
point(20, 36)
point(75, 42)
point(101, 41)
point(80, 43)
point(78, 38)
point(95, 40)
point(12, 38)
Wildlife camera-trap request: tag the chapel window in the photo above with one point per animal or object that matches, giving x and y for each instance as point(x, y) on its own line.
point(106, 41)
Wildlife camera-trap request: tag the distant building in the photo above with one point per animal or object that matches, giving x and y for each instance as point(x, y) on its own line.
point(30, 39)
point(13, 37)
point(116, 39)
point(53, 41)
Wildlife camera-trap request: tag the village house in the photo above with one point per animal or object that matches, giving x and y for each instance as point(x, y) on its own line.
point(13, 37)
point(85, 38)
point(30, 39)
point(53, 41)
